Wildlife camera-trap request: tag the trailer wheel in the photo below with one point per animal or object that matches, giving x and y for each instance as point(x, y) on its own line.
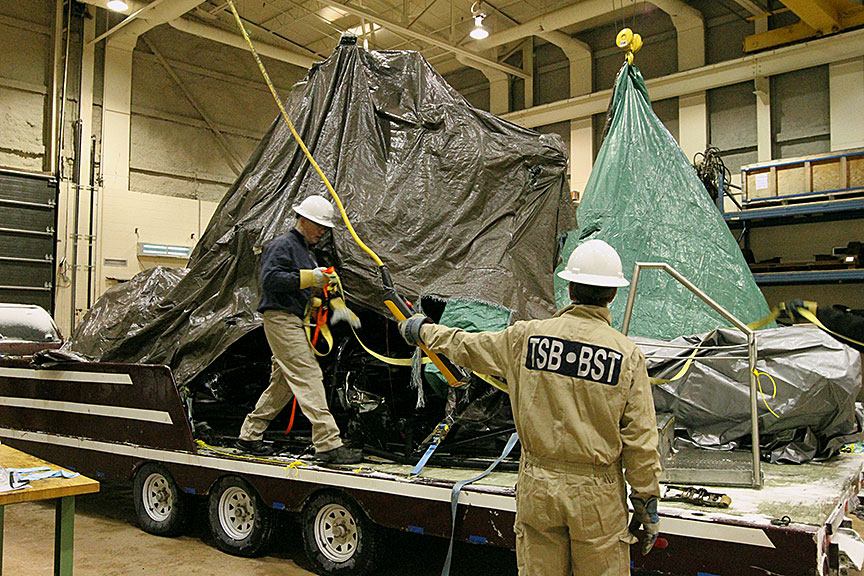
point(240, 522)
point(162, 508)
point(338, 536)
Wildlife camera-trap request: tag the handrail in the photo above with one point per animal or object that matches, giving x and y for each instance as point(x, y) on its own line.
point(756, 481)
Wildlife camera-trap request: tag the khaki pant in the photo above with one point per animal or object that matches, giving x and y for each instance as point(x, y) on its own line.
point(571, 521)
point(295, 372)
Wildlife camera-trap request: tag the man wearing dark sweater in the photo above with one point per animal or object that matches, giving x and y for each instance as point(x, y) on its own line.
point(289, 273)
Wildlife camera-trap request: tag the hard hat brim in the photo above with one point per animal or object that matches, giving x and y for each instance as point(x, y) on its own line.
point(594, 279)
point(317, 220)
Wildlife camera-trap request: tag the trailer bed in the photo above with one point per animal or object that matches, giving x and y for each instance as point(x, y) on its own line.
point(110, 420)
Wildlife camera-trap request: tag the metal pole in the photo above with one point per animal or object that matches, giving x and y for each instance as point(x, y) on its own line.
point(754, 406)
point(631, 298)
point(76, 182)
point(721, 189)
point(90, 262)
point(751, 348)
point(60, 129)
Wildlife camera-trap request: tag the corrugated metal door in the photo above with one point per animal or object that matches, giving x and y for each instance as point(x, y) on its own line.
point(28, 216)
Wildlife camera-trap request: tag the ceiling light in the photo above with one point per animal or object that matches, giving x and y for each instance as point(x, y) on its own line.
point(117, 5)
point(479, 32)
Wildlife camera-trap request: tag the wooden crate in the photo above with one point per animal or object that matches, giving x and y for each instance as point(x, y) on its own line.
point(818, 176)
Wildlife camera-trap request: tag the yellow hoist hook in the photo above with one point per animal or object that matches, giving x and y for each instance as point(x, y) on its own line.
point(629, 42)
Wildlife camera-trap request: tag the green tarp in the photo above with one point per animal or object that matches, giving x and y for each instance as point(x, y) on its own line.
point(470, 315)
point(643, 198)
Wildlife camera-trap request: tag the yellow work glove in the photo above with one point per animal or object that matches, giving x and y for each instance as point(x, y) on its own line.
point(341, 312)
point(317, 278)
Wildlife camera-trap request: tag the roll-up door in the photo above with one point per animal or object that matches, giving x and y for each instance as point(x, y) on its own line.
point(28, 237)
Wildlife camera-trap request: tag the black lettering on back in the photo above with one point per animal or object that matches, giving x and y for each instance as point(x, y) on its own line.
point(574, 359)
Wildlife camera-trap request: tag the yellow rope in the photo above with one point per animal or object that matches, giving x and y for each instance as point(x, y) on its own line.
point(300, 140)
point(295, 464)
point(773, 394)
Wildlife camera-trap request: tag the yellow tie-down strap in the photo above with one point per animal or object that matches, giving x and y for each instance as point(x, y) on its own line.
point(809, 316)
point(410, 361)
point(683, 372)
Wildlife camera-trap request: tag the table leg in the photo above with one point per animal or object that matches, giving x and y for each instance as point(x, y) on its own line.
point(2, 511)
point(64, 530)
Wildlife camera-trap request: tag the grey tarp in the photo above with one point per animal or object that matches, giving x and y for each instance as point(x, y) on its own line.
point(816, 379)
point(457, 202)
point(644, 198)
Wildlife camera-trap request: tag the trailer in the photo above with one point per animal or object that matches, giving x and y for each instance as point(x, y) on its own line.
point(127, 422)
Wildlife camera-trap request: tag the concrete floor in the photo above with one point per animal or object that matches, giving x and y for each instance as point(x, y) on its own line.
point(108, 542)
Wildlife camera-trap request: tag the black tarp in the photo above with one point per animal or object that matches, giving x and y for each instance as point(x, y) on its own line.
point(457, 202)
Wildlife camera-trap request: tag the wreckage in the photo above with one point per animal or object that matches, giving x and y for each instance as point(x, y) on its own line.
point(468, 211)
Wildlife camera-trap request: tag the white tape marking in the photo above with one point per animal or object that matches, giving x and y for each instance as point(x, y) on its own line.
point(156, 416)
point(66, 376)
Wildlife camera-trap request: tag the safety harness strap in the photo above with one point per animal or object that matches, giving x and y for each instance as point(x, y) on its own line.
point(457, 488)
point(316, 306)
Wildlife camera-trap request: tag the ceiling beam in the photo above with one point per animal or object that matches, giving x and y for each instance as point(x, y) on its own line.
point(128, 20)
point(687, 20)
point(229, 38)
point(752, 7)
point(848, 16)
point(821, 15)
point(787, 59)
point(403, 31)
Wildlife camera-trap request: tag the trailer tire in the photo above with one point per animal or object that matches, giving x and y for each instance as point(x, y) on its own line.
point(338, 536)
point(240, 522)
point(162, 508)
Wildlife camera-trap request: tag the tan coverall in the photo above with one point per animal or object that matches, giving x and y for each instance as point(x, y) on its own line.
point(583, 409)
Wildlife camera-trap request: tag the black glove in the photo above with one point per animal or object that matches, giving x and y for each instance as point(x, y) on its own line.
point(409, 328)
point(645, 515)
point(789, 309)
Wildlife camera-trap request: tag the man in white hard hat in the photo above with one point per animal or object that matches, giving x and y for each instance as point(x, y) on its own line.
point(584, 412)
point(289, 273)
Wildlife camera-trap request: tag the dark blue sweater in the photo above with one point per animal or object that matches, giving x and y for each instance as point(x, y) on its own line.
point(281, 262)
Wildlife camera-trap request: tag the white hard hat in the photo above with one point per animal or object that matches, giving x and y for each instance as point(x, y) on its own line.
point(594, 263)
point(317, 209)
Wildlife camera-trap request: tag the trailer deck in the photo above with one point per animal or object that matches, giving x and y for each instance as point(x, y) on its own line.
point(111, 421)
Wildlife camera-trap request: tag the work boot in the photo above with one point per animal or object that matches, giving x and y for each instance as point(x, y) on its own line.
point(340, 455)
point(257, 447)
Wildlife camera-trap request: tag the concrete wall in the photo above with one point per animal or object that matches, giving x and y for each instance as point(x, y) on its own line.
point(25, 77)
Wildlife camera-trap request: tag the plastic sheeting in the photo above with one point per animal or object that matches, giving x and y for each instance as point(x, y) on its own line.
point(644, 198)
point(457, 202)
point(472, 316)
point(817, 380)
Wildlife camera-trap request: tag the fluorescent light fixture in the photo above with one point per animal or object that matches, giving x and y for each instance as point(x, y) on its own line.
point(117, 5)
point(479, 32)
point(163, 250)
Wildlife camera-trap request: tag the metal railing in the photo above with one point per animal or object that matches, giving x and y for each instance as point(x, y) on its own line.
point(756, 481)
